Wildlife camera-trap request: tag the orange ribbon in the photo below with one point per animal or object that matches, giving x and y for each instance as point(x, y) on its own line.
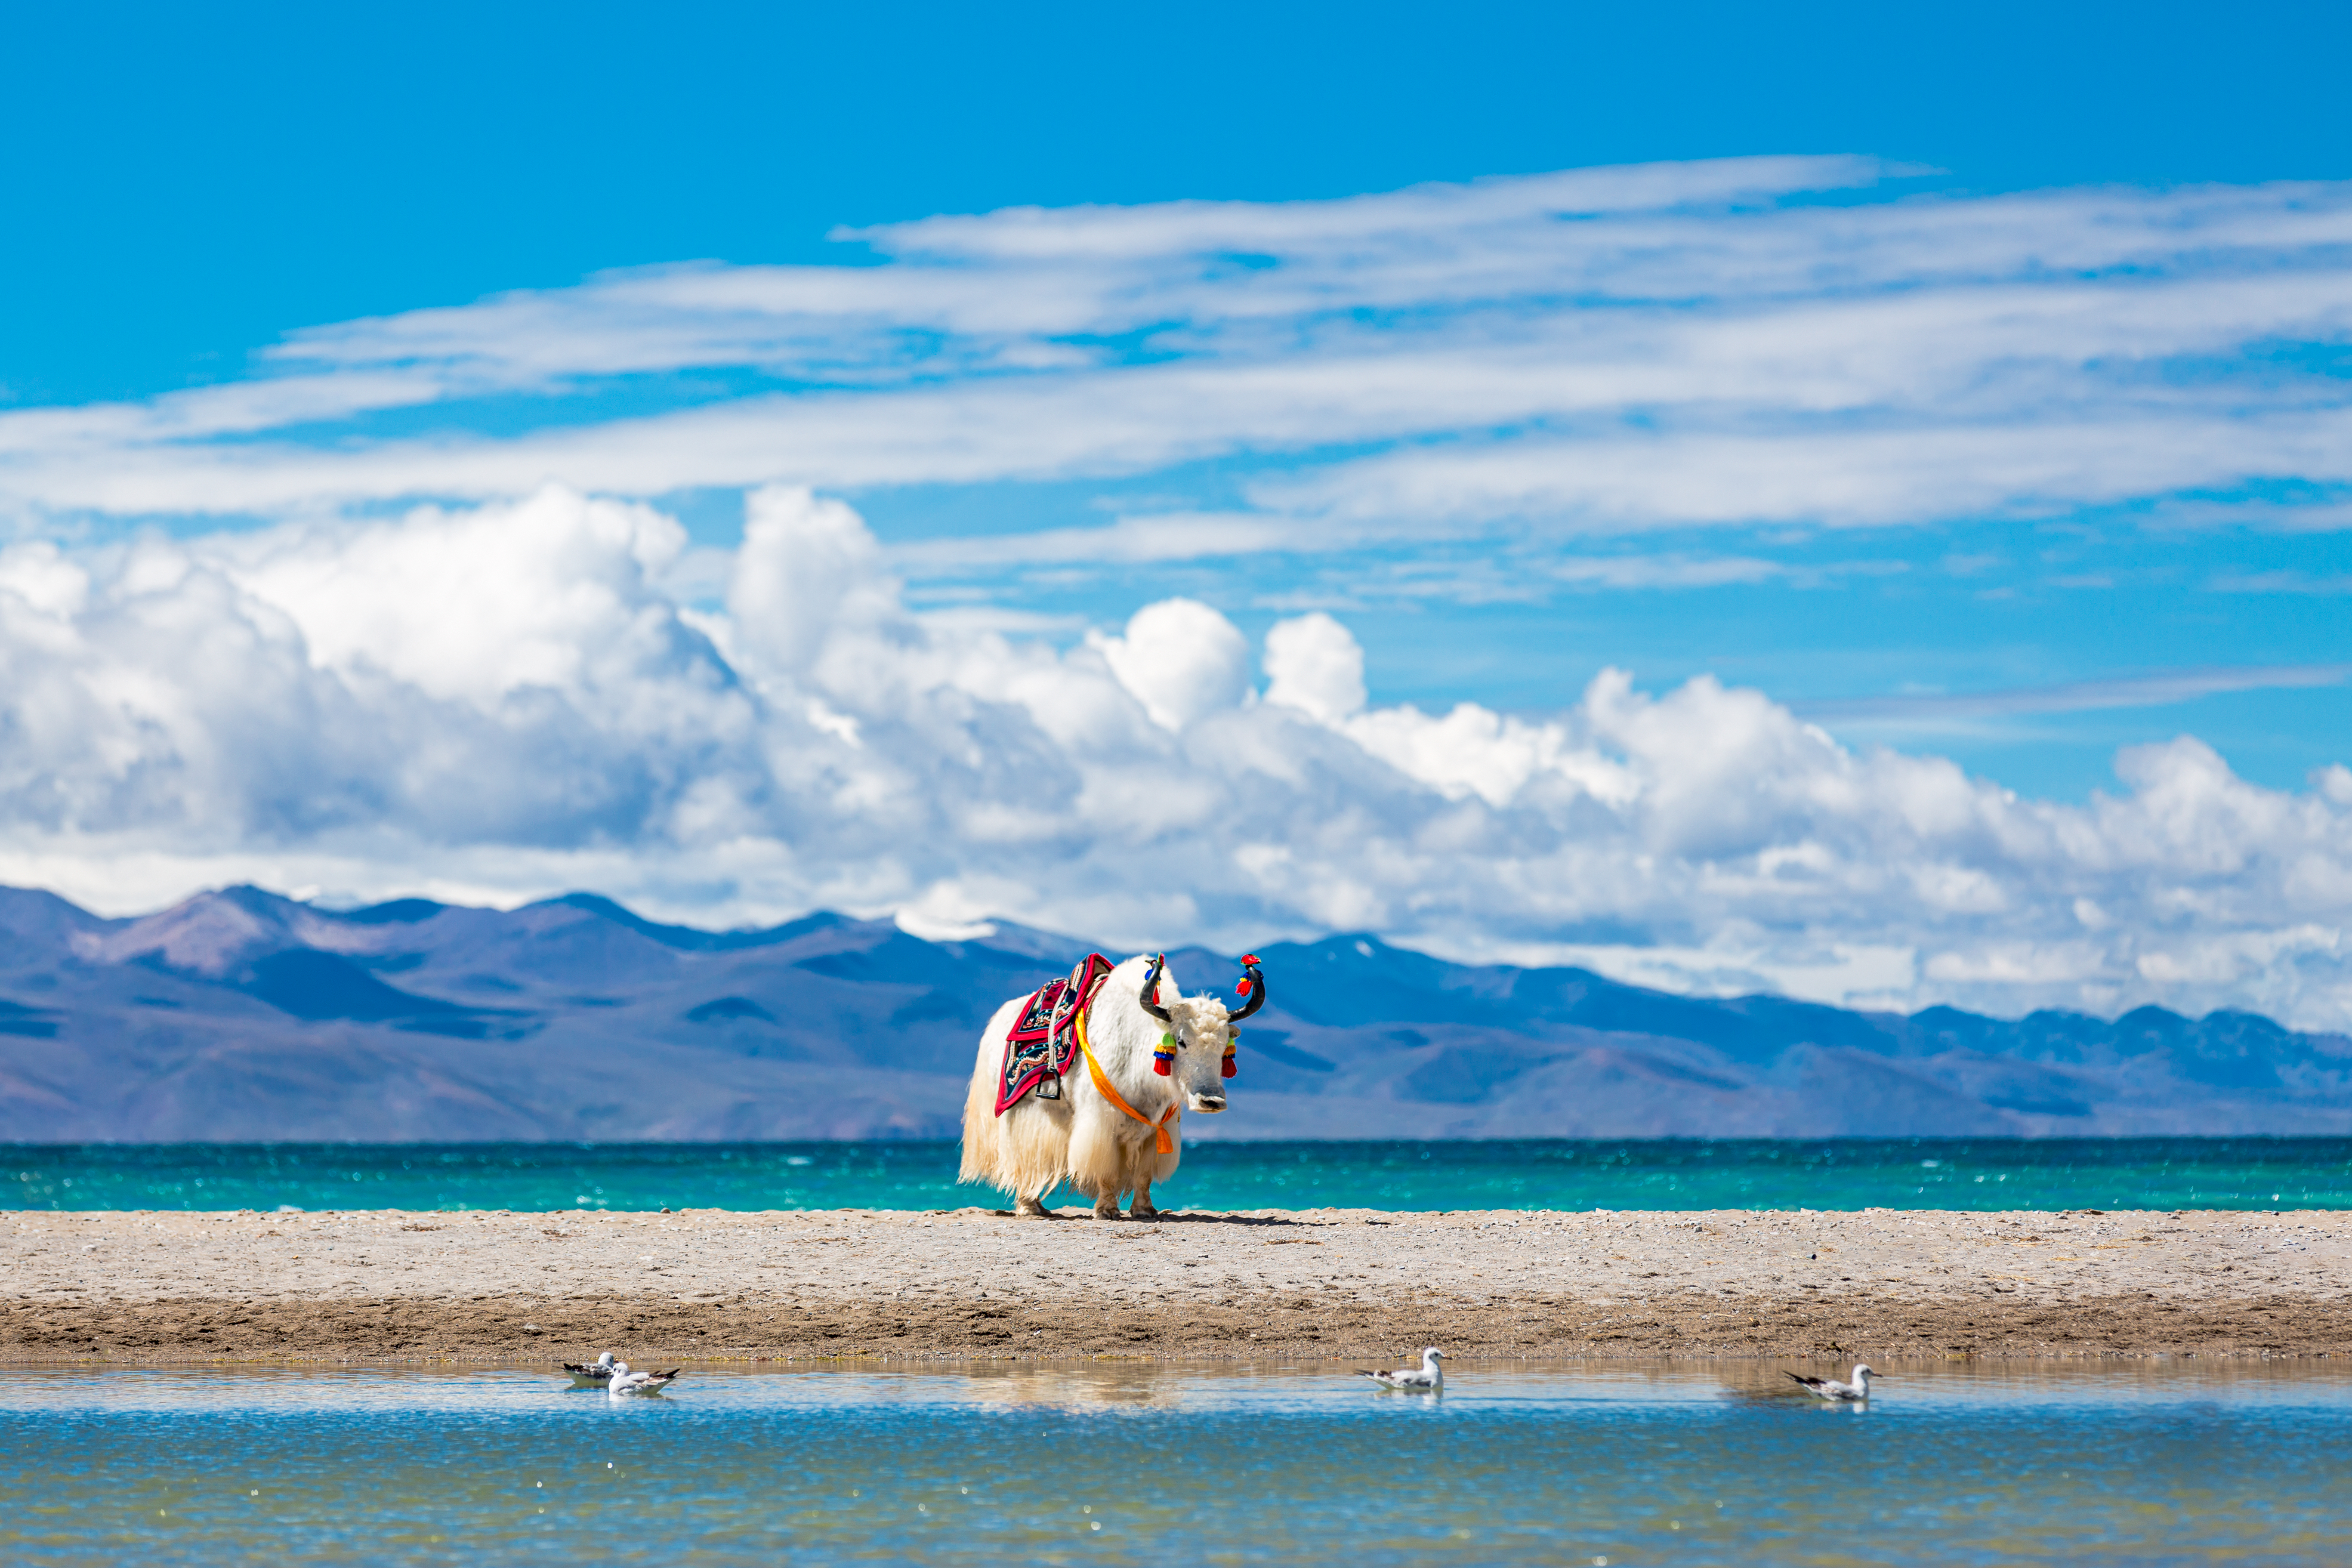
point(1102, 1087)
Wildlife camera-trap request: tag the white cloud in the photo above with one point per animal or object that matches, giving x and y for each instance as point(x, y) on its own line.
point(513, 687)
point(808, 570)
point(1928, 710)
point(549, 593)
point(1181, 659)
point(1315, 665)
point(2034, 463)
point(500, 702)
point(1592, 352)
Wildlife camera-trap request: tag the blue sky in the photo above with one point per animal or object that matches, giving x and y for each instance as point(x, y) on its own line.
point(184, 188)
point(184, 184)
point(1965, 383)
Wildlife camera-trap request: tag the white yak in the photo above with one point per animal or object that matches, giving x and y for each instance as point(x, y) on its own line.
point(1083, 1138)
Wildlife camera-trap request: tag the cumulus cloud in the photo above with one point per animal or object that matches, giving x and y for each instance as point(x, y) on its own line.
point(808, 572)
point(1315, 665)
point(501, 702)
point(550, 593)
point(1181, 659)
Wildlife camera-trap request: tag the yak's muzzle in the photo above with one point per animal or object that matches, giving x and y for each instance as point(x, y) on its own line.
point(1203, 1103)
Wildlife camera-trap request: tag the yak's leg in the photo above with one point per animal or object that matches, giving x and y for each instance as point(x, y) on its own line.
point(1032, 1205)
point(1153, 1166)
point(1098, 1160)
point(1107, 1195)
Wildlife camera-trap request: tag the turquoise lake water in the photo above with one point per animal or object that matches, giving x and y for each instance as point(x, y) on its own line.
point(1843, 1173)
point(1115, 1465)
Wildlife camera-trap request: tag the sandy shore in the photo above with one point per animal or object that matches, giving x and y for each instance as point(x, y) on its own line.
point(1320, 1282)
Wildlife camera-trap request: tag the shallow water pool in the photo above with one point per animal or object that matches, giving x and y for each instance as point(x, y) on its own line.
point(1121, 1463)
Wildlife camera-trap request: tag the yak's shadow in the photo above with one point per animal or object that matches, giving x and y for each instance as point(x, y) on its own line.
point(1167, 1217)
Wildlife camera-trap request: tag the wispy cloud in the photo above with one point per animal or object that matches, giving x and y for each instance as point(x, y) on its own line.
point(2160, 689)
point(2283, 581)
point(1593, 351)
point(1129, 541)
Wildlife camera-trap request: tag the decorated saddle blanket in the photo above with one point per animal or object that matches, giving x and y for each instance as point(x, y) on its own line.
point(1045, 1037)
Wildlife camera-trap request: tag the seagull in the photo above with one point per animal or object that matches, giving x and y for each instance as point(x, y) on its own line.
point(591, 1375)
point(1427, 1378)
point(1830, 1388)
point(625, 1382)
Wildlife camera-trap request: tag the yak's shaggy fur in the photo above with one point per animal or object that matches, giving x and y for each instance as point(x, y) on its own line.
point(1082, 1138)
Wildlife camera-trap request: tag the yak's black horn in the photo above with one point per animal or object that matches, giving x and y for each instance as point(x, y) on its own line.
point(1150, 993)
point(1254, 984)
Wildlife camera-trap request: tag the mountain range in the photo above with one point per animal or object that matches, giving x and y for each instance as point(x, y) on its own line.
point(242, 1015)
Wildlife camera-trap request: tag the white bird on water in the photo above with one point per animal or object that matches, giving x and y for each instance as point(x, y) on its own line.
point(1426, 1378)
point(625, 1382)
point(1830, 1388)
point(591, 1375)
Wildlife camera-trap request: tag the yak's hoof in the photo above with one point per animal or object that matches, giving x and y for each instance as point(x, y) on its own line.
point(1110, 1212)
point(1030, 1208)
point(1142, 1211)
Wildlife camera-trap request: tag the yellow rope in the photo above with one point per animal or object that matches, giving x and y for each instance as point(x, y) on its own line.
point(1102, 1086)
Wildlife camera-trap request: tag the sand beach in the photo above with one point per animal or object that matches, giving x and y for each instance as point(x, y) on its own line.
point(1345, 1283)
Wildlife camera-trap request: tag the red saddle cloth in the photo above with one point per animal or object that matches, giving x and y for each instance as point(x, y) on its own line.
point(1045, 1038)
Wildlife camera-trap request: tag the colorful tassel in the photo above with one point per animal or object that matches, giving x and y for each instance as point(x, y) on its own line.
point(1162, 1058)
